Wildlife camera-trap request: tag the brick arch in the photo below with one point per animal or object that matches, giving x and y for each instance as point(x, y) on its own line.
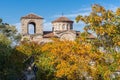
point(67, 36)
point(33, 19)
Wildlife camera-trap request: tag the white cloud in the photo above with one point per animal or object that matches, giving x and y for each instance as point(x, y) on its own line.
point(18, 26)
point(47, 26)
point(82, 11)
point(73, 15)
point(87, 9)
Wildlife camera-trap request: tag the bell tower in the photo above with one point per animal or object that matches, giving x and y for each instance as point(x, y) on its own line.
point(36, 22)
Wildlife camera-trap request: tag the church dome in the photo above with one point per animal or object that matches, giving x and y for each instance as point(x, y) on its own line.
point(62, 19)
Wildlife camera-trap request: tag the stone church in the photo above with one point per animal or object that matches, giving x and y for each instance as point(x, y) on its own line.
point(62, 28)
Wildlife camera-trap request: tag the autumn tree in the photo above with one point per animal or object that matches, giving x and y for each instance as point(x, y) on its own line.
point(105, 24)
point(8, 35)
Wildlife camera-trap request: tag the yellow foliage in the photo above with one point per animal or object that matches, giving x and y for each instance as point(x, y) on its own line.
point(118, 11)
point(29, 48)
point(71, 57)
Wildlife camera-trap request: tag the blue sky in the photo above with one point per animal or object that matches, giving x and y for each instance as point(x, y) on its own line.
point(12, 10)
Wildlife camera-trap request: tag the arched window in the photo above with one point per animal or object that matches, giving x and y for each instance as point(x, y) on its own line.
point(67, 26)
point(63, 27)
point(71, 26)
point(52, 28)
point(31, 28)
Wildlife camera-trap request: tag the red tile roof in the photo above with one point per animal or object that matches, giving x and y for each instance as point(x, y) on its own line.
point(48, 34)
point(31, 16)
point(62, 19)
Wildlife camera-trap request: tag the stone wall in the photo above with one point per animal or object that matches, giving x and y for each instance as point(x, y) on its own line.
point(38, 25)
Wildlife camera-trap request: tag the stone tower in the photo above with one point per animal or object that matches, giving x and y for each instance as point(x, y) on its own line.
point(36, 21)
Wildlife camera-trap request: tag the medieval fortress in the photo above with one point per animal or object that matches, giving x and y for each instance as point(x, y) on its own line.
point(62, 28)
